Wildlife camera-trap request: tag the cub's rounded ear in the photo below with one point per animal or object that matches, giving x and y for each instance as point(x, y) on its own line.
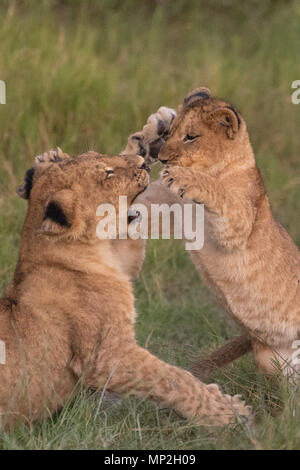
point(225, 118)
point(25, 188)
point(202, 93)
point(60, 213)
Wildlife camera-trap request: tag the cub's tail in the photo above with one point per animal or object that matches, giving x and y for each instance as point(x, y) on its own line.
point(235, 348)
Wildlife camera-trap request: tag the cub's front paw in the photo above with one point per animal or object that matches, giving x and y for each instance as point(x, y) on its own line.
point(149, 141)
point(181, 181)
point(159, 123)
point(50, 157)
point(225, 409)
point(41, 162)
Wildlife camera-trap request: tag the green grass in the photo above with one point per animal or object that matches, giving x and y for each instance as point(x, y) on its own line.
point(85, 74)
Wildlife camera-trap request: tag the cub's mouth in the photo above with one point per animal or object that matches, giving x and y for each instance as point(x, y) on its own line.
point(143, 188)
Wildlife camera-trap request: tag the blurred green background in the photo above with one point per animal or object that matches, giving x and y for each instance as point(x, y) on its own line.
point(84, 75)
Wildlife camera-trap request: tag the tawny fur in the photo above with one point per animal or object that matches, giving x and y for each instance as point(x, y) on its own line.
point(223, 152)
point(148, 143)
point(69, 313)
point(249, 261)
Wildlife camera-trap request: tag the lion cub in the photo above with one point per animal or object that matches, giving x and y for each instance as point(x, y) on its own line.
point(69, 314)
point(248, 259)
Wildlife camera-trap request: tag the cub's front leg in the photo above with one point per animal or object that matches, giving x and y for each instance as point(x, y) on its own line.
point(229, 216)
point(124, 367)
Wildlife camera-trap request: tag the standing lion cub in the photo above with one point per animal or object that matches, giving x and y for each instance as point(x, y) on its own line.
point(69, 314)
point(249, 261)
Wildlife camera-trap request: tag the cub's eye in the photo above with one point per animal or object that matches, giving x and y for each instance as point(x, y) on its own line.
point(189, 138)
point(109, 172)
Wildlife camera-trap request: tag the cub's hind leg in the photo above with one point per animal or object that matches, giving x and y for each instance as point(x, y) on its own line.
point(281, 359)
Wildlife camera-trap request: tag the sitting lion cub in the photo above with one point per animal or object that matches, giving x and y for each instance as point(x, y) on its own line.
point(69, 312)
point(248, 259)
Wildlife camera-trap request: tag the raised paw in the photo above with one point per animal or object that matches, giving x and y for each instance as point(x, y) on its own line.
point(50, 157)
point(159, 123)
point(41, 162)
point(150, 139)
